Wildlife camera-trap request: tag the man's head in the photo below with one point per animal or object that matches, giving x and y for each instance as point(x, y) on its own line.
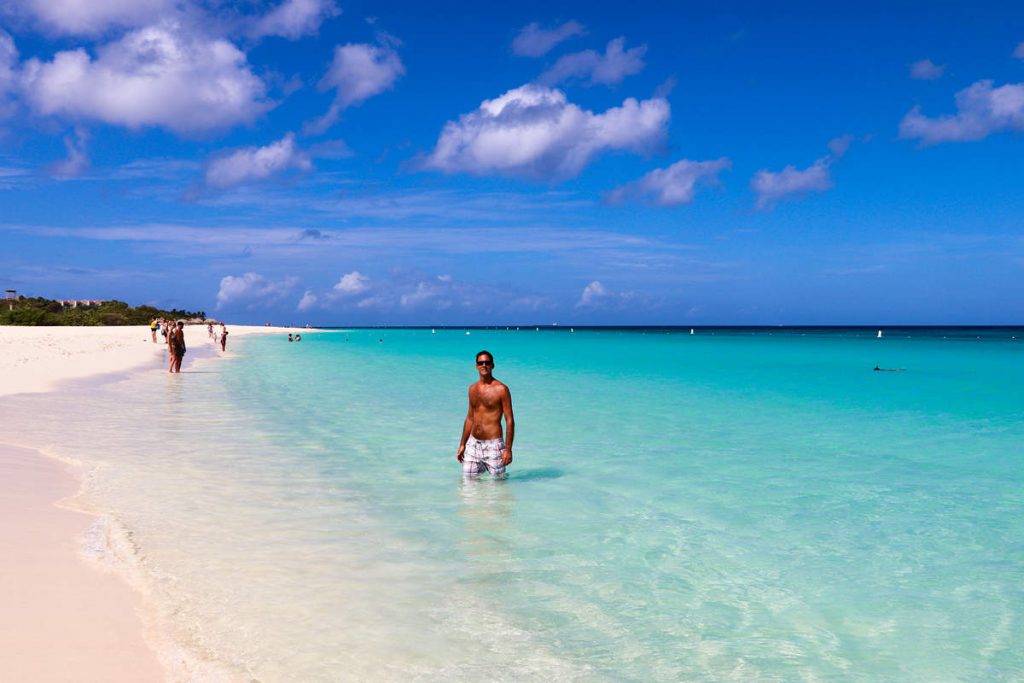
point(484, 363)
point(180, 324)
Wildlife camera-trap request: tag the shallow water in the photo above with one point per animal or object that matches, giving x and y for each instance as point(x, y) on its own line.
point(730, 505)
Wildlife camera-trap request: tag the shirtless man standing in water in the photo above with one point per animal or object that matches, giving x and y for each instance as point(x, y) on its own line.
point(482, 447)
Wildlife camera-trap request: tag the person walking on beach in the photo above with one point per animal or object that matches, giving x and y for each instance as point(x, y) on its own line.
point(153, 327)
point(223, 337)
point(176, 339)
point(482, 447)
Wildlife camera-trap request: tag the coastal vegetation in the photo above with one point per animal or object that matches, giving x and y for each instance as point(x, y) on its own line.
point(38, 311)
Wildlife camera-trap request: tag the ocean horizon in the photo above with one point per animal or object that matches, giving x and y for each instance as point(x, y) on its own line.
point(740, 503)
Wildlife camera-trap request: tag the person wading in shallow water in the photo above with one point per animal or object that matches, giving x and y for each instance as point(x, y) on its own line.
point(482, 448)
point(176, 340)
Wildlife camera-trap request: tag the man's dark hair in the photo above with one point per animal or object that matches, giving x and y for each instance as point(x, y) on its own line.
point(482, 353)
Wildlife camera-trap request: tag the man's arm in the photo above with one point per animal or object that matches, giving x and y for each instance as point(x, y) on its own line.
point(510, 426)
point(467, 427)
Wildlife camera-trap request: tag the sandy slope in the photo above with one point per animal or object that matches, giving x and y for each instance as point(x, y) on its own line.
point(63, 618)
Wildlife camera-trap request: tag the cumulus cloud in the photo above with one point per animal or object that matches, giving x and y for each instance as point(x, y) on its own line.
point(253, 290)
point(772, 186)
point(1019, 51)
point(534, 41)
point(534, 132)
point(671, 186)
point(257, 163)
point(427, 292)
point(982, 110)
point(155, 76)
point(839, 146)
point(8, 64)
point(307, 302)
point(593, 67)
point(294, 19)
point(598, 296)
point(8, 61)
point(78, 156)
point(790, 182)
point(352, 283)
point(593, 294)
point(926, 70)
point(358, 72)
point(91, 17)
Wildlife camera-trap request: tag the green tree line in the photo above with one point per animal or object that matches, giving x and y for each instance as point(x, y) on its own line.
point(39, 311)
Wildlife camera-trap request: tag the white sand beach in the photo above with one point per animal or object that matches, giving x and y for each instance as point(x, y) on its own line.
point(65, 618)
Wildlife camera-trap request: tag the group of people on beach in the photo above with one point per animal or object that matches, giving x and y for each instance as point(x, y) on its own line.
point(174, 336)
point(216, 335)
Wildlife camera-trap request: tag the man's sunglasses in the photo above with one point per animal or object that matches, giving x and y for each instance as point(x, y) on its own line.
point(485, 362)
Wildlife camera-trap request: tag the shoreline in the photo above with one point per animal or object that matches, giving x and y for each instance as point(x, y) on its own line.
point(73, 614)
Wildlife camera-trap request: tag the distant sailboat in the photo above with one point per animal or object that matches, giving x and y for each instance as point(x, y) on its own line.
point(691, 330)
point(879, 335)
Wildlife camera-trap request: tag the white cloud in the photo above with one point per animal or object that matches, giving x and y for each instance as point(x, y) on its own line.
point(307, 302)
point(772, 186)
point(257, 163)
point(426, 293)
point(253, 290)
point(981, 110)
point(155, 76)
point(671, 186)
point(610, 68)
point(78, 157)
point(926, 70)
point(352, 283)
point(295, 18)
point(1018, 52)
point(534, 132)
point(358, 72)
point(90, 17)
point(839, 146)
point(593, 294)
point(380, 301)
point(8, 61)
point(534, 41)
point(8, 64)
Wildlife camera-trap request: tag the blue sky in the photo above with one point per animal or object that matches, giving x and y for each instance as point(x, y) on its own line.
point(455, 163)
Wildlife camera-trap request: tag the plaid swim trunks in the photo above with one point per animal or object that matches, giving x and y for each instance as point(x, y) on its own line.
point(483, 456)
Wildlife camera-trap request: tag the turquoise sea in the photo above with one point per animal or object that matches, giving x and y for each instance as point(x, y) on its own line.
point(728, 505)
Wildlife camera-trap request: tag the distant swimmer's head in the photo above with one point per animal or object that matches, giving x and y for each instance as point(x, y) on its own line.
point(484, 363)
